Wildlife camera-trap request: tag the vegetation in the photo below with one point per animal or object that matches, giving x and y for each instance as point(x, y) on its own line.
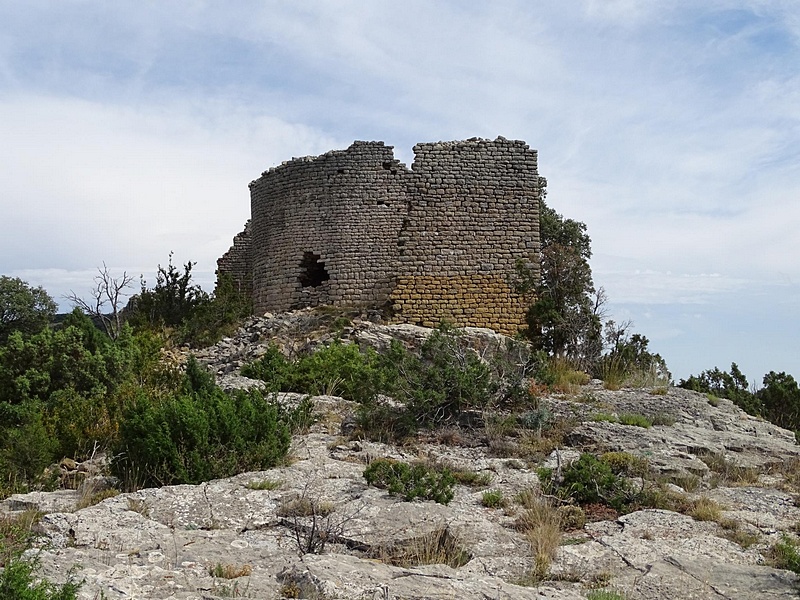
point(199, 433)
point(75, 389)
point(431, 388)
point(564, 320)
point(411, 481)
point(785, 554)
point(18, 578)
point(18, 581)
point(184, 310)
point(23, 308)
point(778, 400)
point(493, 499)
point(590, 480)
point(565, 317)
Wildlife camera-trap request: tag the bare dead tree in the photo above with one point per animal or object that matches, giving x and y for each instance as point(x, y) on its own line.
point(106, 300)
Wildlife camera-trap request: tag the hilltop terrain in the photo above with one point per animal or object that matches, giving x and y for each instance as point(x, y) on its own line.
point(681, 495)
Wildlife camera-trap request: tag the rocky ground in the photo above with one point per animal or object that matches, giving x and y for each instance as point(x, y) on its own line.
point(244, 537)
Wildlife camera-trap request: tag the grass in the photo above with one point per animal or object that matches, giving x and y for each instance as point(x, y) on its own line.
point(471, 478)
point(440, 547)
point(663, 419)
point(264, 484)
point(300, 506)
point(728, 472)
point(18, 579)
point(688, 481)
point(745, 539)
point(16, 534)
point(604, 595)
point(566, 378)
point(227, 571)
point(541, 524)
point(140, 506)
point(493, 499)
point(705, 509)
point(635, 420)
point(90, 498)
point(784, 554)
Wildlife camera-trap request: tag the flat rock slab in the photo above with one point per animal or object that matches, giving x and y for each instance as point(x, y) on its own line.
point(228, 538)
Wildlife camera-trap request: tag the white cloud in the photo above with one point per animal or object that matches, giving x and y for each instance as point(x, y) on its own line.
point(85, 182)
point(670, 128)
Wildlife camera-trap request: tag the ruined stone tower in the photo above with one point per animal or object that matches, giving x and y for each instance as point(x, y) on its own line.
point(435, 242)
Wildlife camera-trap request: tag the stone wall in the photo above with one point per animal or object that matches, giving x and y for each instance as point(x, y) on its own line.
point(475, 211)
point(435, 242)
point(237, 263)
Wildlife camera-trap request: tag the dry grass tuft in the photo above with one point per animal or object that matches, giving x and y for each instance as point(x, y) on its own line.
point(440, 547)
point(728, 472)
point(226, 571)
point(264, 484)
point(705, 509)
point(90, 497)
point(541, 524)
point(301, 506)
point(16, 533)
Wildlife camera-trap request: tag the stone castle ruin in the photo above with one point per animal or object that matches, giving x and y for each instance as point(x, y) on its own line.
point(356, 227)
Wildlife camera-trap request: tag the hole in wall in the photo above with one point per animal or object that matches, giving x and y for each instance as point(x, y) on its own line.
point(312, 271)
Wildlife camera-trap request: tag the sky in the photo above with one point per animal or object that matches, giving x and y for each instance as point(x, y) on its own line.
point(130, 130)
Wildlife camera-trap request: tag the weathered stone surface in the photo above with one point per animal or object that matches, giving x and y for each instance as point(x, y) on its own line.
point(166, 543)
point(699, 430)
point(356, 227)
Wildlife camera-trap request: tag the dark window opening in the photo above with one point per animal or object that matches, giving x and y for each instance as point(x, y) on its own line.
point(313, 272)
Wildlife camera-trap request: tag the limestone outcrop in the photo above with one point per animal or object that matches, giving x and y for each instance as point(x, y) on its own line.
point(244, 537)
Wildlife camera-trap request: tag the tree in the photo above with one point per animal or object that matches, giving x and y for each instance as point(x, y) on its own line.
point(780, 398)
point(171, 301)
point(733, 386)
point(23, 308)
point(106, 303)
point(565, 316)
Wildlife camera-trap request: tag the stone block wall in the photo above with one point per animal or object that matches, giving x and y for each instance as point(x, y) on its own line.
point(435, 242)
point(324, 229)
point(237, 262)
point(474, 213)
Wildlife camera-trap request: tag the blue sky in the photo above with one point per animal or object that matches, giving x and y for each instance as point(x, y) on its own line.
point(670, 127)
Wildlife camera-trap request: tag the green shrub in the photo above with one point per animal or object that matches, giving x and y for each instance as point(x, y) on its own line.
point(199, 434)
point(273, 368)
point(784, 554)
point(537, 420)
point(450, 378)
point(433, 387)
point(663, 419)
point(604, 417)
point(635, 420)
point(382, 422)
point(624, 463)
point(19, 582)
point(23, 308)
point(493, 499)
point(411, 481)
point(339, 369)
point(589, 480)
point(604, 595)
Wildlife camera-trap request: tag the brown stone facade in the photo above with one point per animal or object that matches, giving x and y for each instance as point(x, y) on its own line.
point(356, 227)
